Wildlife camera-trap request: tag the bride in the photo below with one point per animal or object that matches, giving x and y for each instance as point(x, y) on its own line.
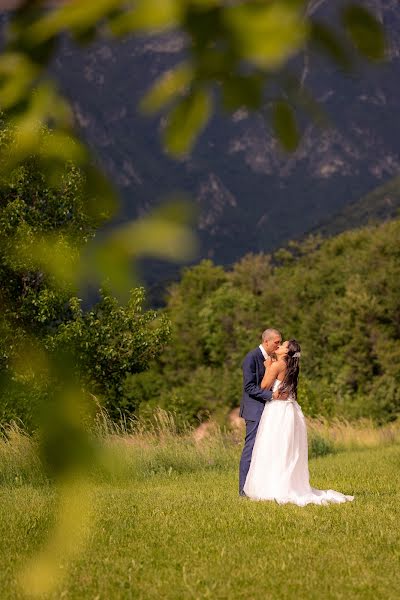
point(279, 463)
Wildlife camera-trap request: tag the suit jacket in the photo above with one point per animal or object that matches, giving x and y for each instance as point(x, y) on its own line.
point(254, 398)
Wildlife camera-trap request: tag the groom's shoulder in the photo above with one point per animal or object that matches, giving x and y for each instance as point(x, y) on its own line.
point(252, 354)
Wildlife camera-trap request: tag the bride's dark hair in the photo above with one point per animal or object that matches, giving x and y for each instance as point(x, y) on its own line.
point(292, 359)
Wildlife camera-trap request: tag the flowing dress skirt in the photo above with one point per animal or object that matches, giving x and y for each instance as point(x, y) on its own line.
point(279, 463)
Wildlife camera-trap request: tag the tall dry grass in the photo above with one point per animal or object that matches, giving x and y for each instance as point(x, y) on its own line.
point(346, 435)
point(138, 449)
point(131, 449)
point(19, 457)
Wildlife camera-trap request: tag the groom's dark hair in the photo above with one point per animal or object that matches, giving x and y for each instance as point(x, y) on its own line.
point(292, 359)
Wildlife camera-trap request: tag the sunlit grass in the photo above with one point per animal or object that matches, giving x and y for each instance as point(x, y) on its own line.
point(188, 535)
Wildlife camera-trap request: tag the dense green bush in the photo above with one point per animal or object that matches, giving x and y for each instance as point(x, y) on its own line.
point(111, 341)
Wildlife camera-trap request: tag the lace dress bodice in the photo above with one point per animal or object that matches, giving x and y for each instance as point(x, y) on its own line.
point(276, 385)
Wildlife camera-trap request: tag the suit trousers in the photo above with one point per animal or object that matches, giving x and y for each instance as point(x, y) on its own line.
point(245, 460)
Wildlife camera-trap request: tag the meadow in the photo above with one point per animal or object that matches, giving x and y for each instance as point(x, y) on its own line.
point(162, 519)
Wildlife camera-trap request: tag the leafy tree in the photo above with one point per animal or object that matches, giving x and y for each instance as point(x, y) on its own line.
point(40, 311)
point(185, 301)
point(111, 341)
point(251, 273)
point(226, 324)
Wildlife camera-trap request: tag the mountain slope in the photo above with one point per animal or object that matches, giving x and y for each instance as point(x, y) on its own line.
point(382, 204)
point(251, 196)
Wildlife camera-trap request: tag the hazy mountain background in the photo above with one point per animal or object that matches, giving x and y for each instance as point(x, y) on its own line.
point(251, 196)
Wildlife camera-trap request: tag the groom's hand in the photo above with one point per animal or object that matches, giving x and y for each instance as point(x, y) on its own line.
point(277, 395)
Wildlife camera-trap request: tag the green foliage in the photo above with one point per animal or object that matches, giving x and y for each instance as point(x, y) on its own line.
point(111, 341)
point(285, 125)
point(20, 402)
point(186, 121)
point(316, 397)
point(142, 391)
point(225, 323)
point(32, 300)
point(366, 32)
point(382, 204)
point(339, 298)
point(41, 319)
point(185, 301)
point(209, 391)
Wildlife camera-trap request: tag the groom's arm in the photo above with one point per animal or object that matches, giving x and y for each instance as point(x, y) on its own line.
point(250, 381)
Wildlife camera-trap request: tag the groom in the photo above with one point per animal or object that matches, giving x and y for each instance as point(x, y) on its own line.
point(254, 398)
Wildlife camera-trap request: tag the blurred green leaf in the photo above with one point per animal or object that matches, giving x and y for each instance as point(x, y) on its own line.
point(19, 38)
point(101, 198)
point(53, 254)
point(186, 121)
point(85, 36)
point(330, 43)
point(65, 446)
point(285, 126)
point(267, 34)
point(159, 235)
point(73, 15)
point(169, 86)
point(205, 3)
point(42, 575)
point(203, 22)
point(300, 96)
point(365, 31)
point(178, 210)
point(165, 234)
point(214, 64)
point(16, 75)
point(44, 105)
point(26, 140)
point(148, 15)
point(158, 238)
point(63, 147)
point(109, 262)
point(239, 91)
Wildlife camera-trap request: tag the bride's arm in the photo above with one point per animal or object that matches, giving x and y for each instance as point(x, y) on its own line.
point(271, 372)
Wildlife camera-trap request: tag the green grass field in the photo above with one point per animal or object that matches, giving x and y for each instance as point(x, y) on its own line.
point(188, 535)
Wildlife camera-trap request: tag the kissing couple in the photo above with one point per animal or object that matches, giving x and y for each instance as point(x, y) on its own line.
point(274, 461)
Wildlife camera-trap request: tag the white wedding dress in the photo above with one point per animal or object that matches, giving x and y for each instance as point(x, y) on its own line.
point(279, 463)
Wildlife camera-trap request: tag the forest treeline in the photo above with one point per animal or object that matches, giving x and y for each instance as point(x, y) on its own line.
point(339, 297)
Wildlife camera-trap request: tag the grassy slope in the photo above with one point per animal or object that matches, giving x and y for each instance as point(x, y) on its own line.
point(190, 536)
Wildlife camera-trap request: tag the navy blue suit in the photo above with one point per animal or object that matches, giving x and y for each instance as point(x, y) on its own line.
point(251, 406)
